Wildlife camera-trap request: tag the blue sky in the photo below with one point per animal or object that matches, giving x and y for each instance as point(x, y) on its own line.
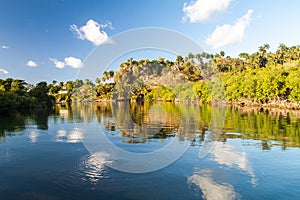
point(49, 39)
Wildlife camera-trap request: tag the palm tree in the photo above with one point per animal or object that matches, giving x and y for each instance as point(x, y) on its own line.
point(263, 49)
point(111, 74)
point(107, 75)
point(263, 55)
point(178, 62)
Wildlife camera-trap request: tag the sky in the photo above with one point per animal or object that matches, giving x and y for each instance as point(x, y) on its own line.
point(45, 40)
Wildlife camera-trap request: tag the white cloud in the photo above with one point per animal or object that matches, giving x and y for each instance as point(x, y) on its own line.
point(229, 34)
point(4, 47)
point(57, 63)
point(69, 61)
point(3, 71)
point(203, 10)
point(92, 32)
point(73, 62)
point(31, 63)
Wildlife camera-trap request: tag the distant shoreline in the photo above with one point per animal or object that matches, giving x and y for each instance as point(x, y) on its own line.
point(281, 104)
point(278, 104)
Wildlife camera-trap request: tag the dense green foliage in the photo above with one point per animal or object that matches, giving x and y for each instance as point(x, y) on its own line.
point(17, 94)
point(260, 77)
point(265, 77)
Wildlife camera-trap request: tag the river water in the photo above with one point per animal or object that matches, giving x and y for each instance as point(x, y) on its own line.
point(150, 151)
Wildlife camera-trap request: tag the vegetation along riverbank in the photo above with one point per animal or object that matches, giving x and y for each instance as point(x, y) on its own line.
point(262, 78)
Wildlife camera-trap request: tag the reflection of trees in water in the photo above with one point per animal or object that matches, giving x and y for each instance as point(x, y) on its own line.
point(3, 137)
point(103, 110)
point(142, 120)
point(191, 121)
point(41, 119)
point(140, 123)
point(158, 121)
point(139, 113)
point(63, 111)
point(266, 125)
point(86, 111)
point(83, 112)
point(15, 122)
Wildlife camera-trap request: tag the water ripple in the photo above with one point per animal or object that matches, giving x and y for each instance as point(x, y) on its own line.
point(94, 166)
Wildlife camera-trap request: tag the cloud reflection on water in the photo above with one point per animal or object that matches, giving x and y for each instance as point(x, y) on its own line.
point(212, 190)
point(226, 154)
point(75, 136)
point(33, 136)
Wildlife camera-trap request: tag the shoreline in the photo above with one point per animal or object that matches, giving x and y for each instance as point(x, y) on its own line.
point(278, 104)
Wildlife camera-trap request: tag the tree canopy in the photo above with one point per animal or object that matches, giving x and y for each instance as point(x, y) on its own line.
point(262, 77)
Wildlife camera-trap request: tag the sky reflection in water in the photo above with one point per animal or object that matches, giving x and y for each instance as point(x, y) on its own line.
point(255, 155)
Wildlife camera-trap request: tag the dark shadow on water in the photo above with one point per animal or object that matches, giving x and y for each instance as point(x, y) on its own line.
point(14, 122)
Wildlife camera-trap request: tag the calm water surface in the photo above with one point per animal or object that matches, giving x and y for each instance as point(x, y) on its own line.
point(243, 153)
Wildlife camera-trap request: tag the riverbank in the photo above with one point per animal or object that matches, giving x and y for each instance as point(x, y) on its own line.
point(278, 104)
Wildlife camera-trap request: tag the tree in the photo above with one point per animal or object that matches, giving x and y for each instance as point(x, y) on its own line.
point(7, 84)
point(191, 57)
point(98, 81)
point(222, 53)
point(61, 85)
point(108, 74)
point(40, 93)
point(18, 86)
point(263, 55)
point(178, 63)
point(69, 86)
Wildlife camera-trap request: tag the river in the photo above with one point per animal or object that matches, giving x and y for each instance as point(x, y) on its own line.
point(150, 151)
